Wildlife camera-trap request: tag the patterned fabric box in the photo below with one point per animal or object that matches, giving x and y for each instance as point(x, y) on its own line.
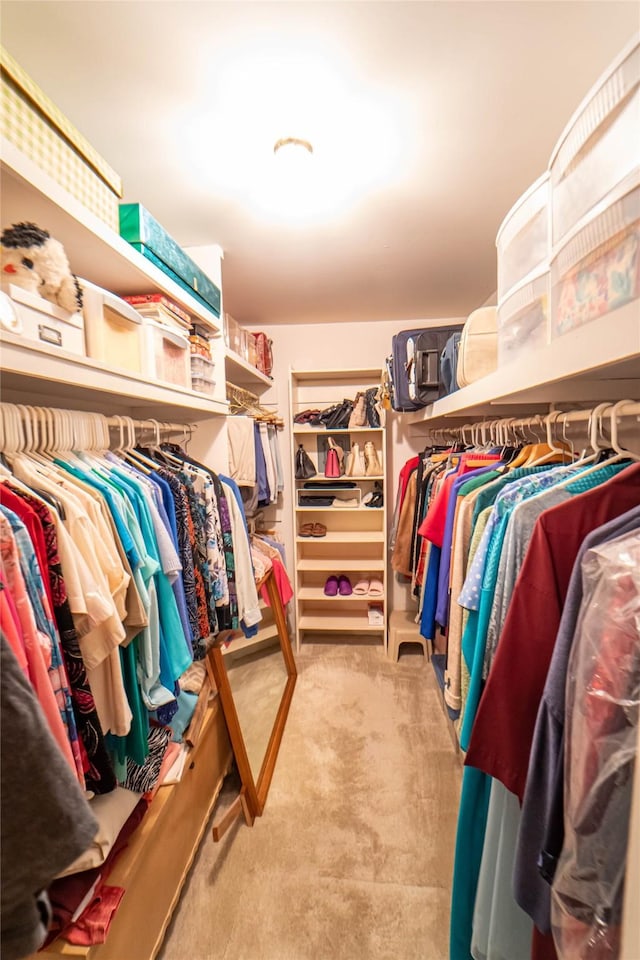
point(598, 271)
point(143, 232)
point(30, 121)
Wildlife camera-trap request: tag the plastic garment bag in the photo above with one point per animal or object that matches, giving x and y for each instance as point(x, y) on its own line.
point(603, 700)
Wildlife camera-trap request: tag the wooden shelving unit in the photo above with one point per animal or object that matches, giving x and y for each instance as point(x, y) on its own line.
point(166, 842)
point(34, 372)
point(355, 543)
point(243, 374)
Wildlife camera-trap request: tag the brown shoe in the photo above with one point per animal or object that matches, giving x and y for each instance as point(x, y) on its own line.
point(319, 530)
point(306, 530)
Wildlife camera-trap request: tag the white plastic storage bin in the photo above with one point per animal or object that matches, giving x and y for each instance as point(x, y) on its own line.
point(523, 238)
point(523, 318)
point(113, 328)
point(43, 322)
point(599, 149)
point(166, 354)
point(598, 269)
point(202, 378)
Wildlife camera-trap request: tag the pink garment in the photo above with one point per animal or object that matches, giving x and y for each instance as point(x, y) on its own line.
point(170, 754)
point(282, 583)
point(37, 645)
point(10, 626)
point(93, 925)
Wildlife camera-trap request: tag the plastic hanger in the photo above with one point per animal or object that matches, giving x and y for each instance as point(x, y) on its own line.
point(619, 453)
point(549, 451)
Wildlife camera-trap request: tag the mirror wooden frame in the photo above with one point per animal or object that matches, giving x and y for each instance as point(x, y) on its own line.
point(255, 792)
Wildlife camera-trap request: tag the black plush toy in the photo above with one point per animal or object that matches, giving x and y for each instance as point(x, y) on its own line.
point(32, 259)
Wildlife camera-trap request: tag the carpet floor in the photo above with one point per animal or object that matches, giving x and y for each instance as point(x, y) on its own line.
point(352, 858)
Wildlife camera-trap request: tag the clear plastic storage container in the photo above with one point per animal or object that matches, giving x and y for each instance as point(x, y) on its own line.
point(202, 378)
point(523, 238)
point(166, 355)
point(523, 318)
point(599, 149)
point(233, 334)
point(113, 329)
point(598, 269)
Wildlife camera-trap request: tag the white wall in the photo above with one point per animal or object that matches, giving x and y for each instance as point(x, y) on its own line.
point(336, 345)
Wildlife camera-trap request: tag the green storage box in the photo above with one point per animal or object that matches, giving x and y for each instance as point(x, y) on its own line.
point(143, 232)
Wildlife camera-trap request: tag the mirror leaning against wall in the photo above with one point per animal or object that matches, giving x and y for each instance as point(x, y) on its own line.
point(255, 678)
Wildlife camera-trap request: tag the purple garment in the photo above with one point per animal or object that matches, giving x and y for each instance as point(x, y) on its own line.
point(178, 584)
point(442, 605)
point(541, 825)
point(264, 493)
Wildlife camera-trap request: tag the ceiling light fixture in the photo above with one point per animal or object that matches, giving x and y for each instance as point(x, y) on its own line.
point(292, 142)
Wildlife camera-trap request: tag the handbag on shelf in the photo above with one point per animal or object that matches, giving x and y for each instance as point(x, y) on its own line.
point(371, 400)
point(264, 351)
point(304, 464)
point(306, 416)
point(337, 417)
point(332, 466)
point(355, 462)
point(358, 416)
point(339, 452)
point(307, 501)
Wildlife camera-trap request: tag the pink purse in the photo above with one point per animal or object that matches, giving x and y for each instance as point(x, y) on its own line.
point(332, 466)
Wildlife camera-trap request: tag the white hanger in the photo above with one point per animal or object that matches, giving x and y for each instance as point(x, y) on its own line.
point(620, 452)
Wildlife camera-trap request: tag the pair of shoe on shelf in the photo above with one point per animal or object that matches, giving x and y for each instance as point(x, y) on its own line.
point(375, 498)
point(313, 530)
point(363, 463)
point(338, 586)
point(341, 586)
point(369, 588)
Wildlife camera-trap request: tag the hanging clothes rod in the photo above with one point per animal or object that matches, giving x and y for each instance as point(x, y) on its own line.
point(625, 408)
point(556, 422)
point(151, 424)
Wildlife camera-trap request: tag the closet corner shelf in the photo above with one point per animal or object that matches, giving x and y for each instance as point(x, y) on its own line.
point(244, 374)
point(363, 508)
point(331, 564)
point(34, 373)
point(346, 536)
point(330, 480)
point(311, 431)
point(347, 621)
point(352, 374)
point(95, 251)
point(317, 595)
point(598, 361)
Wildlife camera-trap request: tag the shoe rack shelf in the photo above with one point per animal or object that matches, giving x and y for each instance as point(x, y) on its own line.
point(301, 429)
point(355, 542)
point(346, 536)
point(343, 565)
point(317, 595)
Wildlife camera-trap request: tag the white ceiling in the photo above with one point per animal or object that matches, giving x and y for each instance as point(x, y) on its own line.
point(446, 112)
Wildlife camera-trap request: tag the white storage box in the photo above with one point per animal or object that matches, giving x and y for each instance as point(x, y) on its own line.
point(598, 269)
point(523, 318)
point(166, 354)
point(599, 149)
point(113, 328)
point(41, 321)
point(523, 238)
